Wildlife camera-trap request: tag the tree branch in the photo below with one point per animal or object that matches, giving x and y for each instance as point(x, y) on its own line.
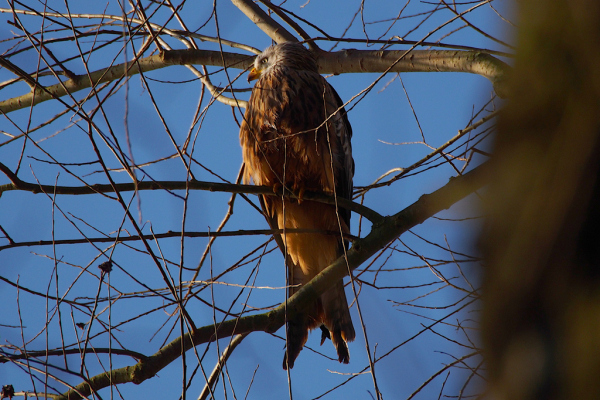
point(214, 376)
point(170, 234)
point(60, 352)
point(390, 229)
point(263, 21)
point(167, 58)
point(474, 62)
point(18, 184)
point(345, 61)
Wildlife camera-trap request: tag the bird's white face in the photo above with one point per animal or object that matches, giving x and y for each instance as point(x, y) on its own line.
point(261, 63)
point(290, 55)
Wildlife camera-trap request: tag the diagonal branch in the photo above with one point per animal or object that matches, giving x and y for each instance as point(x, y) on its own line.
point(277, 10)
point(214, 376)
point(165, 59)
point(18, 71)
point(262, 20)
point(390, 229)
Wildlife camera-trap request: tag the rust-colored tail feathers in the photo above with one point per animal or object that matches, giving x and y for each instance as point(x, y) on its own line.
point(330, 310)
point(297, 334)
point(336, 318)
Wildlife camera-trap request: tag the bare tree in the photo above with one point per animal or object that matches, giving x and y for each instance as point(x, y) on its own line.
point(120, 126)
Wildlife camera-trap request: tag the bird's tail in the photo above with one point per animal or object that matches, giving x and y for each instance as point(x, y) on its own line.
point(336, 318)
point(332, 311)
point(297, 329)
point(297, 334)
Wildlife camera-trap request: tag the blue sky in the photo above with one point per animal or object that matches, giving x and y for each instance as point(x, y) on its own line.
point(443, 104)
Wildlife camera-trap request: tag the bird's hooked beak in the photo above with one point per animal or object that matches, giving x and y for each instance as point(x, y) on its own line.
point(253, 74)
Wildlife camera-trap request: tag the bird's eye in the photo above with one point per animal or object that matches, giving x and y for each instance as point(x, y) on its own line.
point(264, 60)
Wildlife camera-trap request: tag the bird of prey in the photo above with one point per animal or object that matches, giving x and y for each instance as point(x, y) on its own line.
point(295, 134)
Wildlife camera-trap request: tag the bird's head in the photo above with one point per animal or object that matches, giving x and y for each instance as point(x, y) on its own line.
point(288, 54)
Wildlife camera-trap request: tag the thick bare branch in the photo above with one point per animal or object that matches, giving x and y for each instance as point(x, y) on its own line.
point(345, 61)
point(474, 62)
point(167, 58)
point(390, 229)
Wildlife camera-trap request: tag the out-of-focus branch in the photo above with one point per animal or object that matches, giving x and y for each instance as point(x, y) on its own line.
point(540, 322)
point(390, 229)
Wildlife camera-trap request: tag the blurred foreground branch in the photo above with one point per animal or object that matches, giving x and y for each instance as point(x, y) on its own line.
point(541, 317)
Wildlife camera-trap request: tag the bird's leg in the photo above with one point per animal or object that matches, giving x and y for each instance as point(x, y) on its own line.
point(300, 194)
point(276, 187)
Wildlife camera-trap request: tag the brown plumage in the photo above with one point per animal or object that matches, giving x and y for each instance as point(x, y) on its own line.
point(295, 134)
